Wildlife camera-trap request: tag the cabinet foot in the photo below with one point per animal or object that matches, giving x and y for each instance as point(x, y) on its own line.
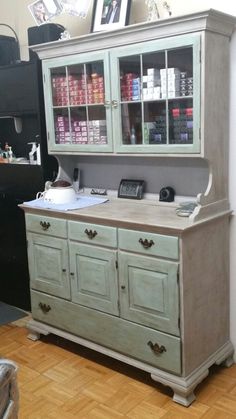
point(184, 399)
point(33, 335)
point(183, 388)
point(228, 361)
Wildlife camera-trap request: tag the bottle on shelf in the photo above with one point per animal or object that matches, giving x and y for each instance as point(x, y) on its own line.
point(133, 136)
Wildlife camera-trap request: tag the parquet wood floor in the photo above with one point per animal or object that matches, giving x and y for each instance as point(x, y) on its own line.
point(61, 380)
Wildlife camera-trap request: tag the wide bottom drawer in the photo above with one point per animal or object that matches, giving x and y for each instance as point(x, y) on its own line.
point(139, 342)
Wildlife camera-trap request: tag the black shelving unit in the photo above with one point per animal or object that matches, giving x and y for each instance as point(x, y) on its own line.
point(21, 95)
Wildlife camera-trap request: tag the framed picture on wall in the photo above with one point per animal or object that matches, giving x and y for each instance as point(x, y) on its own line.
point(110, 14)
point(44, 10)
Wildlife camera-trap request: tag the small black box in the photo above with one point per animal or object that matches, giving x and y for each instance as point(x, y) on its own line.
point(44, 33)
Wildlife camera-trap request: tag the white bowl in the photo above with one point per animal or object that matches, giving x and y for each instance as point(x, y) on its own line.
point(58, 195)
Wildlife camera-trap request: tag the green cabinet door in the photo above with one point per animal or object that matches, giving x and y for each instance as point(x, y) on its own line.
point(149, 292)
point(77, 103)
point(94, 277)
point(157, 98)
point(48, 265)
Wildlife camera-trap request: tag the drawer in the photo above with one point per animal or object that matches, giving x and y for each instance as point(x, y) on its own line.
point(93, 233)
point(138, 342)
point(149, 243)
point(46, 225)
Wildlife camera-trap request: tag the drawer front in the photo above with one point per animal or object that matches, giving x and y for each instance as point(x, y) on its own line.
point(149, 243)
point(93, 233)
point(147, 345)
point(46, 225)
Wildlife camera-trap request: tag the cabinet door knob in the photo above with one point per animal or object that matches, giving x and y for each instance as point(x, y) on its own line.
point(45, 226)
point(44, 307)
point(123, 287)
point(146, 243)
point(156, 348)
point(64, 270)
point(114, 103)
point(91, 234)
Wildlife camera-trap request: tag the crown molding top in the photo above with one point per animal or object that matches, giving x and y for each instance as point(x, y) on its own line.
point(209, 20)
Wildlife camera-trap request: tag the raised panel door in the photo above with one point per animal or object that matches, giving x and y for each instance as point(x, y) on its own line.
point(94, 277)
point(48, 265)
point(149, 292)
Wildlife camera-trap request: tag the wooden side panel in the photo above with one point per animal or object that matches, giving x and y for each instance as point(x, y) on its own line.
point(204, 286)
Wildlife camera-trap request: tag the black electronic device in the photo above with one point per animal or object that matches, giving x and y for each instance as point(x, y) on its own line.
point(131, 189)
point(167, 194)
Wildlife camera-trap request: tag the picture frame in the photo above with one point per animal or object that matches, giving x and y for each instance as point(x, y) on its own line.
point(44, 10)
point(110, 14)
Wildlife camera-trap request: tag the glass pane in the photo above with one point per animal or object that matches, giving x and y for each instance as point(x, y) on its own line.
point(95, 82)
point(86, 83)
point(151, 83)
point(155, 123)
point(62, 126)
point(79, 132)
point(97, 129)
point(59, 86)
point(181, 121)
point(77, 85)
point(131, 123)
point(177, 77)
point(130, 79)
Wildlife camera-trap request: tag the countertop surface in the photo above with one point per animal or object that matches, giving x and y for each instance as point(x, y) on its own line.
point(125, 213)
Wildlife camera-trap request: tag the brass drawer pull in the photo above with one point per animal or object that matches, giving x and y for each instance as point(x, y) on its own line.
point(146, 243)
point(45, 226)
point(91, 234)
point(156, 348)
point(44, 307)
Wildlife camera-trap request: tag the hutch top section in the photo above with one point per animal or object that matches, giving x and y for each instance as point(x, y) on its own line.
point(208, 20)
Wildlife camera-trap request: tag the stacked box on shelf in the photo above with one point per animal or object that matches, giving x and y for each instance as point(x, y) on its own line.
point(170, 82)
point(60, 90)
point(155, 132)
point(97, 132)
point(62, 129)
point(77, 89)
point(79, 132)
point(182, 123)
point(186, 84)
point(130, 87)
point(95, 89)
point(151, 84)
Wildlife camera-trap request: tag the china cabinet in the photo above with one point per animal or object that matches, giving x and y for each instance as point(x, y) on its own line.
point(131, 278)
point(127, 102)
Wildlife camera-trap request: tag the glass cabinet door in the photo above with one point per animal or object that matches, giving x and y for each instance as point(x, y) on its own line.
point(157, 98)
point(76, 112)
